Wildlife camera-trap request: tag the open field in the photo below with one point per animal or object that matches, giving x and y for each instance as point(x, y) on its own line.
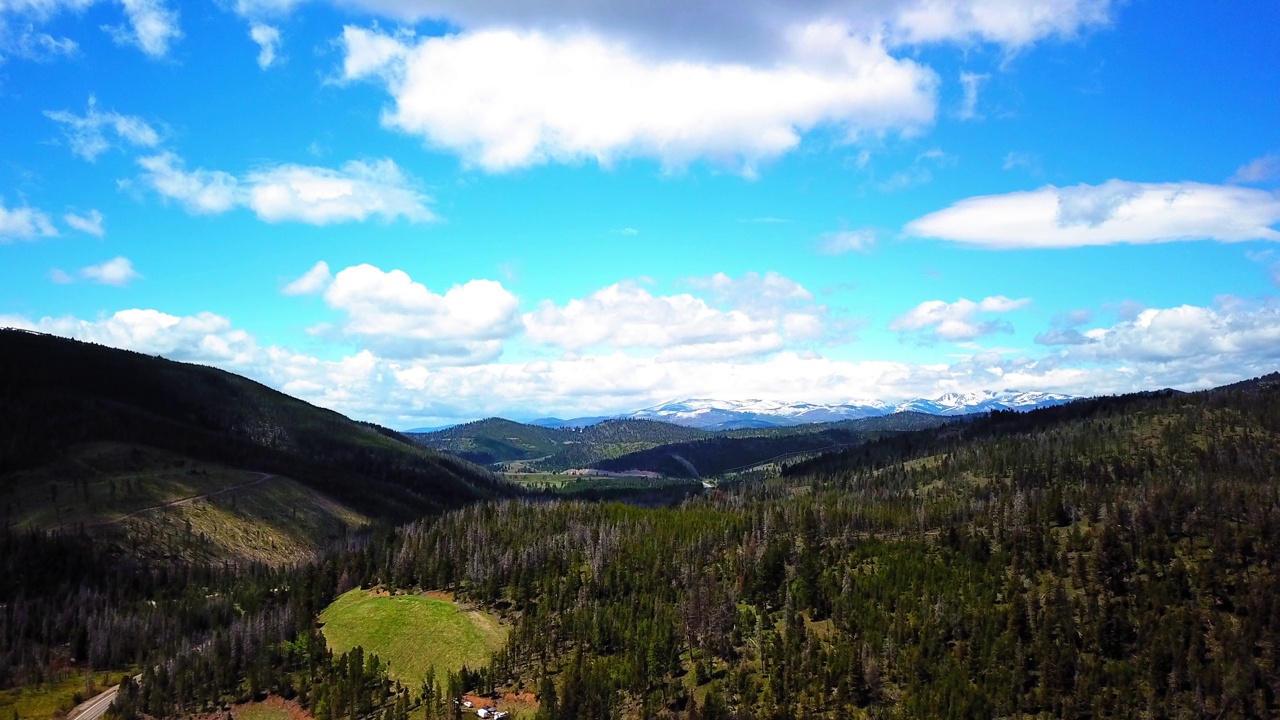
point(412, 632)
point(541, 480)
point(57, 697)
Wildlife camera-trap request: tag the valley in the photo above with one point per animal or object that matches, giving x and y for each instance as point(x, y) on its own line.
point(1106, 557)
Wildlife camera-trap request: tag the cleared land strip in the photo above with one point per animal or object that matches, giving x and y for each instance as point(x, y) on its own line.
point(262, 477)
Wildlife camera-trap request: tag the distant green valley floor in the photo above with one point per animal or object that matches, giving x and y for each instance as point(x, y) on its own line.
point(413, 632)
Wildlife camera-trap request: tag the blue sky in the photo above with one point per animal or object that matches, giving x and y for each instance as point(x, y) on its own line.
point(425, 211)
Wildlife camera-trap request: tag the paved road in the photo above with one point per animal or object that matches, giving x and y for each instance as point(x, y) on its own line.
point(94, 708)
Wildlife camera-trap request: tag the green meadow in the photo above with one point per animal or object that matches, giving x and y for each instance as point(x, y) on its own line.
point(412, 632)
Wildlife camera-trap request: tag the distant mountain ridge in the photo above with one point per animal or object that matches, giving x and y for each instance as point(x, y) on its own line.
point(709, 414)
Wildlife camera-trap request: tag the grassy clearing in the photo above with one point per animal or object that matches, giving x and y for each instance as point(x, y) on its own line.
point(54, 698)
point(541, 480)
point(412, 632)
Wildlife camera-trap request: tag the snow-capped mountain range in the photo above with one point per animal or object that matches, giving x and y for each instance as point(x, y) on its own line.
point(733, 414)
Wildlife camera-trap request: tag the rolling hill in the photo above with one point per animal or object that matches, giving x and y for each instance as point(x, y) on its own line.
point(89, 435)
point(732, 450)
point(496, 440)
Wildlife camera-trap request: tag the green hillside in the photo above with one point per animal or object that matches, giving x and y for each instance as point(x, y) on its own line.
point(64, 398)
point(496, 440)
point(734, 450)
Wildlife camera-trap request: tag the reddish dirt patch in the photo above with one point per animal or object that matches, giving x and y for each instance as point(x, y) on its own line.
point(523, 697)
point(291, 707)
point(296, 711)
point(439, 595)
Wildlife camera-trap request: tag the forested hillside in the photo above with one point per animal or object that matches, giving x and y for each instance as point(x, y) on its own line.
point(654, 446)
point(731, 450)
point(62, 394)
point(495, 440)
point(1112, 558)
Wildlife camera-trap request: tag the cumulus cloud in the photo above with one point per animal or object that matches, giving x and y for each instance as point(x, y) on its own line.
point(206, 338)
point(1113, 212)
point(24, 223)
point(97, 131)
point(1184, 347)
point(397, 317)
point(268, 40)
point(506, 99)
point(749, 315)
point(1238, 331)
point(312, 282)
point(1062, 336)
point(358, 190)
point(200, 191)
point(626, 315)
point(750, 32)
point(90, 223)
point(117, 271)
point(1258, 170)
point(762, 292)
point(153, 26)
point(846, 241)
point(958, 321)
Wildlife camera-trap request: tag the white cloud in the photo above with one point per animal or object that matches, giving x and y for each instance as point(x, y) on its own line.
point(319, 196)
point(61, 277)
point(505, 99)
point(1258, 170)
point(1012, 24)
point(753, 289)
point(1113, 212)
point(626, 315)
point(201, 338)
point(30, 44)
point(957, 321)
point(312, 282)
point(970, 83)
point(750, 32)
point(845, 241)
point(200, 191)
point(153, 26)
point(397, 317)
point(752, 315)
point(85, 133)
point(268, 40)
point(1183, 347)
point(1189, 345)
point(356, 191)
point(24, 223)
point(117, 271)
point(90, 223)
